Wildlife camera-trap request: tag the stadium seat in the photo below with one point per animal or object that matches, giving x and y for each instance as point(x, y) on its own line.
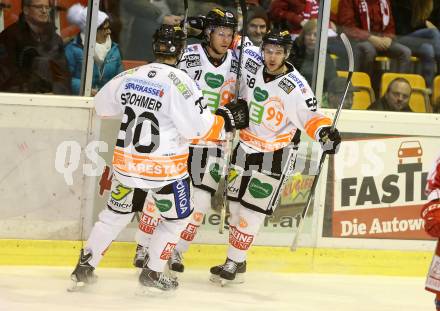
point(436, 91)
point(334, 7)
point(419, 100)
point(384, 62)
point(363, 97)
point(129, 64)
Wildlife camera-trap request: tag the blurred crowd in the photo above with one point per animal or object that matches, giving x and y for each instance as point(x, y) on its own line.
point(396, 44)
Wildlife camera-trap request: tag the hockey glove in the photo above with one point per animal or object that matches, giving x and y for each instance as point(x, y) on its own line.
point(431, 216)
point(329, 140)
point(195, 27)
point(235, 114)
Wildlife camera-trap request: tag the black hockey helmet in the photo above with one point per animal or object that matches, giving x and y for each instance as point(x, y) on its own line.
point(278, 37)
point(218, 17)
point(169, 41)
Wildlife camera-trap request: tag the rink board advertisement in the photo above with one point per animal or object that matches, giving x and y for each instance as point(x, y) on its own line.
point(378, 187)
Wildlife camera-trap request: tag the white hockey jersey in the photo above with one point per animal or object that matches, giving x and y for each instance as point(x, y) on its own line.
point(277, 109)
point(162, 109)
point(217, 83)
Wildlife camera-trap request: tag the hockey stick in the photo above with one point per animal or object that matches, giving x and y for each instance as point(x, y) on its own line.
point(230, 136)
point(185, 18)
point(324, 155)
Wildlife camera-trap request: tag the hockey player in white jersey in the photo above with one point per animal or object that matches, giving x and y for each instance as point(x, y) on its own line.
point(281, 105)
point(161, 109)
point(431, 216)
point(212, 65)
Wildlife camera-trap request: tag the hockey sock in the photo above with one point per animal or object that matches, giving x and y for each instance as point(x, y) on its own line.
point(202, 203)
point(105, 230)
point(242, 232)
point(163, 242)
point(148, 222)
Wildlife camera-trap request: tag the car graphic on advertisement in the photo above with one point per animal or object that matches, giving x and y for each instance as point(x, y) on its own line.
point(410, 150)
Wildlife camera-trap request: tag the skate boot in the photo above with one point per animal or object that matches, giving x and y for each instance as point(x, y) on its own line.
point(175, 262)
point(230, 272)
point(83, 274)
point(139, 257)
point(154, 283)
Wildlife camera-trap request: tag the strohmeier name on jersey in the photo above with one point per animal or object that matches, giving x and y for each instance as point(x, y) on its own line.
point(140, 101)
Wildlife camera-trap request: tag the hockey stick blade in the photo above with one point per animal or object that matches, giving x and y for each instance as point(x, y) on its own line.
point(230, 138)
point(350, 56)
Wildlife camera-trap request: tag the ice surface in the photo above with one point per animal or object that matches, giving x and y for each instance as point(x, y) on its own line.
point(44, 289)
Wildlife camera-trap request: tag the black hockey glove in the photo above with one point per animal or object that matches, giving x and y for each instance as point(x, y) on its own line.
point(195, 27)
point(329, 140)
point(196, 22)
point(235, 114)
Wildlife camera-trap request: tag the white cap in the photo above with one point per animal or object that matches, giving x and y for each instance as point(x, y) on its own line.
point(77, 15)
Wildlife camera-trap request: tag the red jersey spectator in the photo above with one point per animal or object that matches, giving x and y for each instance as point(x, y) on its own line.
point(370, 24)
point(295, 13)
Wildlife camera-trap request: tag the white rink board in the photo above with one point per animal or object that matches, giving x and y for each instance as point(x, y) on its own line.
point(36, 201)
point(38, 204)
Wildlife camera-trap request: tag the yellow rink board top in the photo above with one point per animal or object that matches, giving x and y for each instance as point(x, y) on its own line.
point(203, 256)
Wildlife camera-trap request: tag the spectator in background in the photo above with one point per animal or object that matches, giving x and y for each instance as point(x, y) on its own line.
point(140, 19)
point(258, 24)
point(417, 32)
point(336, 89)
point(396, 97)
point(370, 25)
point(294, 13)
point(111, 7)
point(32, 54)
point(107, 58)
point(303, 53)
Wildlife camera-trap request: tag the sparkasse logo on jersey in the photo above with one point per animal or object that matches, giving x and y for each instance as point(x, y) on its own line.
point(139, 85)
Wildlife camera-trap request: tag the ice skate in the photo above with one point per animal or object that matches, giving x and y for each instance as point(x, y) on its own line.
point(155, 283)
point(175, 262)
point(139, 257)
point(230, 272)
point(83, 275)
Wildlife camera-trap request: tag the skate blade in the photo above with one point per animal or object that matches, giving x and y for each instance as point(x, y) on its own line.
point(76, 287)
point(147, 291)
point(216, 279)
point(174, 274)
